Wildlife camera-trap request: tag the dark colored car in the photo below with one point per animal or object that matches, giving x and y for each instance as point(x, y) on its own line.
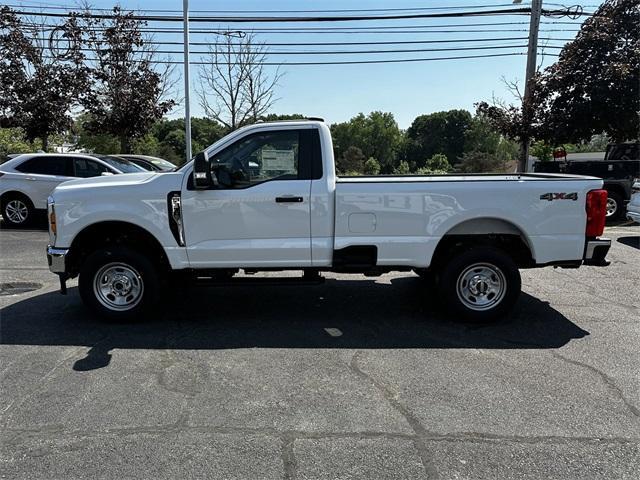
point(619, 169)
point(149, 163)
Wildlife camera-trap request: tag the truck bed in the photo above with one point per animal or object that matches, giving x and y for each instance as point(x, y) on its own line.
point(405, 216)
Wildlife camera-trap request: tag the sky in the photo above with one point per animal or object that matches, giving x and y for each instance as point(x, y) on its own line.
point(338, 92)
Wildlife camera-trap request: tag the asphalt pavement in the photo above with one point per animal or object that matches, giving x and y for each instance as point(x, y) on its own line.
point(355, 378)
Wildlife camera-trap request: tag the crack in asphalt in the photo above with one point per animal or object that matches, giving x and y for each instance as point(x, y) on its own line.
point(418, 429)
point(608, 381)
point(51, 431)
point(288, 456)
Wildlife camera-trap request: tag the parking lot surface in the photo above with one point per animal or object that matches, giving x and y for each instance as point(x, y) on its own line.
point(355, 378)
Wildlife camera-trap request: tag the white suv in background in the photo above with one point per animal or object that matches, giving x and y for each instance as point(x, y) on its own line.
point(26, 181)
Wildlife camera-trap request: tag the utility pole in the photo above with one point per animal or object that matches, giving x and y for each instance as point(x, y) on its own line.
point(534, 27)
point(187, 83)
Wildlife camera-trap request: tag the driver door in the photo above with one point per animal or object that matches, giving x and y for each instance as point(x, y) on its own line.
point(258, 214)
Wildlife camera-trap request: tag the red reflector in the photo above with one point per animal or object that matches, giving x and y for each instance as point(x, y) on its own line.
point(596, 212)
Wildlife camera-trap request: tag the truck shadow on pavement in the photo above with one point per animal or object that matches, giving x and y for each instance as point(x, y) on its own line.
point(630, 241)
point(351, 314)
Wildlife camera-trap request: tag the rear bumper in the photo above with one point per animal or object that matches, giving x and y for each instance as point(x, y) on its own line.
point(595, 252)
point(56, 258)
point(633, 216)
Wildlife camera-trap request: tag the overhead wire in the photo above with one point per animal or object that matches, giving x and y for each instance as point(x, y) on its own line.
point(343, 52)
point(389, 9)
point(283, 19)
point(346, 62)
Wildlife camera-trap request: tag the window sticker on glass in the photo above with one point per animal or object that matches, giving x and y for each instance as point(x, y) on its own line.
point(278, 160)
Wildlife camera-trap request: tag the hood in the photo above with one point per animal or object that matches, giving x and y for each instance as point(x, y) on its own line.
point(120, 180)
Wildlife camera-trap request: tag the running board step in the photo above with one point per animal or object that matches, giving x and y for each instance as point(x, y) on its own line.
point(253, 281)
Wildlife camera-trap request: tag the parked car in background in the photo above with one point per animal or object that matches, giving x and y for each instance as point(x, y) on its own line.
point(27, 180)
point(633, 208)
point(149, 163)
point(619, 167)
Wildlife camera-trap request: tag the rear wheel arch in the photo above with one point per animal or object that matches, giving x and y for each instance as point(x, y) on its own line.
point(115, 233)
point(489, 232)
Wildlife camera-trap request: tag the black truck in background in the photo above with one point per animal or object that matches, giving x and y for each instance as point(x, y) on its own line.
point(619, 168)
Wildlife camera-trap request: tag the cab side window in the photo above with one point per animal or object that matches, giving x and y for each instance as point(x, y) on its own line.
point(258, 158)
point(86, 168)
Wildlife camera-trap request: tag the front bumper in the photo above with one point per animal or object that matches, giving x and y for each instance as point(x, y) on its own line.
point(56, 258)
point(595, 252)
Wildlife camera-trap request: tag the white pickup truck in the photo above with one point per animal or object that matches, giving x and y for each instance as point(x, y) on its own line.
point(266, 197)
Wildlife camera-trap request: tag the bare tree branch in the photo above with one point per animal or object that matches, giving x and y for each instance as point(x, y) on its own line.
point(235, 88)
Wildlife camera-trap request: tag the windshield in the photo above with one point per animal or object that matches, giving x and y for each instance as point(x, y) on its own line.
point(125, 166)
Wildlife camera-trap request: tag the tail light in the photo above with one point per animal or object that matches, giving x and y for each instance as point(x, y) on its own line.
point(596, 212)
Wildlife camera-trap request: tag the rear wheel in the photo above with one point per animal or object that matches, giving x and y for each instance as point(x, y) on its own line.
point(480, 284)
point(17, 210)
point(119, 284)
point(615, 205)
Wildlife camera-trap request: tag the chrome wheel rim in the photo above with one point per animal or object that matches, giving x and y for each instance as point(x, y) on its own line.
point(16, 211)
point(481, 286)
point(118, 286)
point(612, 206)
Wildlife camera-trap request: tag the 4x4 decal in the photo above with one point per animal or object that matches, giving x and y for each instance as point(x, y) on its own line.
point(559, 196)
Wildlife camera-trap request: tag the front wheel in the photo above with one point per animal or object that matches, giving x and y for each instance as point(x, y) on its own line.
point(119, 284)
point(480, 284)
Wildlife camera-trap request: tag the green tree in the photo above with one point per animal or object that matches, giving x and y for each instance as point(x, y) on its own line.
point(593, 87)
point(272, 117)
point(352, 160)
point(12, 140)
point(147, 145)
point(438, 163)
point(402, 168)
point(542, 151)
point(38, 92)
point(595, 84)
point(376, 135)
point(127, 94)
point(440, 132)
point(480, 162)
point(103, 143)
point(371, 167)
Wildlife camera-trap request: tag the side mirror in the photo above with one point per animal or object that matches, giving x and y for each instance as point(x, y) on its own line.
point(201, 171)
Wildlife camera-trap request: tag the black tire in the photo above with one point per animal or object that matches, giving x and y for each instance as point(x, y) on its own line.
point(614, 199)
point(487, 271)
point(16, 206)
point(127, 276)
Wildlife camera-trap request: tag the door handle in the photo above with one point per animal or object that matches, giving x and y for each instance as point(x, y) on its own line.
point(32, 179)
point(289, 199)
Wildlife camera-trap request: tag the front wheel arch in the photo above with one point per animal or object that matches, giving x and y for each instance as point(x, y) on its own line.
point(115, 233)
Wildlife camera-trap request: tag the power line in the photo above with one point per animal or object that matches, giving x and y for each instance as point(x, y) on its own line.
point(352, 18)
point(346, 62)
point(47, 27)
point(337, 52)
point(396, 9)
point(307, 44)
point(322, 29)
